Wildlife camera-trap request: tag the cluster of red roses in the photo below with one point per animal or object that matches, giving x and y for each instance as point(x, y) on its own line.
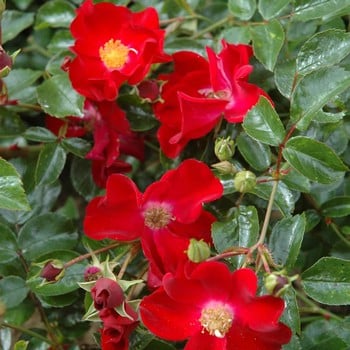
point(203, 302)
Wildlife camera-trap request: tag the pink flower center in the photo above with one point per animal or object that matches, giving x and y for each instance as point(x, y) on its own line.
point(157, 217)
point(216, 320)
point(114, 54)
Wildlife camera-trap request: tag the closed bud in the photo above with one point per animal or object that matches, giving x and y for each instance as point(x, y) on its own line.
point(198, 250)
point(224, 148)
point(107, 294)
point(225, 167)
point(5, 63)
point(149, 90)
point(52, 271)
point(92, 273)
point(276, 283)
point(244, 181)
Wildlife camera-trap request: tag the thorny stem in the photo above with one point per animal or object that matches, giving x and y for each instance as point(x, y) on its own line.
point(27, 331)
point(233, 252)
point(314, 308)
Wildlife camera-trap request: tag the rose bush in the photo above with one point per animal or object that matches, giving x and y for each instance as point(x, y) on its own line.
point(174, 175)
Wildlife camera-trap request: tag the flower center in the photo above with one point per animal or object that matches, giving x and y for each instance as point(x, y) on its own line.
point(114, 54)
point(217, 320)
point(157, 216)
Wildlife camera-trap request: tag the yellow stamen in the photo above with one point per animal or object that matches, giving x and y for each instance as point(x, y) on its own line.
point(114, 54)
point(156, 217)
point(216, 320)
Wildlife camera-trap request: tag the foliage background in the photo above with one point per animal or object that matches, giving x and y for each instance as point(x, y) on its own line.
point(301, 52)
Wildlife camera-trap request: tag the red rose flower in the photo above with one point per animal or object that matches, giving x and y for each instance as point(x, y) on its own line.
point(165, 216)
point(198, 93)
point(107, 293)
point(216, 310)
point(117, 329)
point(112, 46)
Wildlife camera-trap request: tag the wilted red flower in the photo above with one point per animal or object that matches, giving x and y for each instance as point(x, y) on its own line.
point(216, 310)
point(198, 93)
point(113, 45)
point(165, 216)
point(117, 328)
point(106, 293)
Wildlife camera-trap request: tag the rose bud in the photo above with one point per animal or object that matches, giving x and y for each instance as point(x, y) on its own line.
point(92, 273)
point(107, 294)
point(52, 271)
point(224, 148)
point(149, 90)
point(244, 181)
point(198, 250)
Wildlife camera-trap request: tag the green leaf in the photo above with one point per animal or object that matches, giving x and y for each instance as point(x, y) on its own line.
point(67, 284)
point(257, 154)
point(55, 13)
point(37, 133)
point(284, 200)
point(291, 316)
point(314, 91)
point(21, 345)
point(8, 244)
point(285, 240)
point(285, 77)
point(13, 22)
point(11, 124)
point(77, 146)
point(236, 35)
point(51, 161)
point(336, 207)
point(323, 50)
point(267, 42)
point(13, 290)
point(12, 194)
point(263, 124)
point(311, 9)
point(61, 40)
point(46, 233)
point(21, 313)
point(328, 281)
point(294, 180)
point(313, 159)
point(57, 97)
point(242, 9)
point(270, 9)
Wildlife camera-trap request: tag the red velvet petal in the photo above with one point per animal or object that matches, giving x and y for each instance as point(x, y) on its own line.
point(168, 319)
point(205, 341)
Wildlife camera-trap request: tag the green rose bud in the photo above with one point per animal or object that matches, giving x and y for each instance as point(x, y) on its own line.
point(224, 148)
point(244, 181)
point(276, 283)
point(198, 250)
point(225, 167)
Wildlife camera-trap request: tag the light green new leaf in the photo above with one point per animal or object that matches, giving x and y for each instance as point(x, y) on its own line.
point(12, 194)
point(328, 281)
point(285, 240)
point(242, 9)
point(267, 42)
point(263, 124)
point(57, 97)
point(13, 22)
point(55, 13)
point(314, 159)
point(270, 9)
point(51, 161)
point(314, 91)
point(311, 9)
point(323, 50)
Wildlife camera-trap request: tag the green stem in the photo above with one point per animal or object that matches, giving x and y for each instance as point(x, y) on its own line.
point(27, 331)
point(314, 308)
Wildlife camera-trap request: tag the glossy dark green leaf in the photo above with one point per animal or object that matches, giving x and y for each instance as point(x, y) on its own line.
point(314, 90)
point(67, 284)
point(295, 181)
point(336, 207)
point(21, 313)
point(325, 117)
point(51, 161)
point(322, 50)
point(12, 195)
point(285, 77)
point(284, 200)
point(242, 9)
point(314, 159)
point(285, 240)
point(22, 4)
point(57, 97)
point(61, 40)
point(13, 290)
point(309, 9)
point(13, 22)
point(328, 281)
point(257, 154)
point(267, 42)
point(236, 35)
point(8, 244)
point(177, 44)
point(37, 133)
point(77, 146)
point(55, 13)
point(263, 124)
point(11, 125)
point(60, 300)
point(291, 316)
point(46, 233)
point(270, 9)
